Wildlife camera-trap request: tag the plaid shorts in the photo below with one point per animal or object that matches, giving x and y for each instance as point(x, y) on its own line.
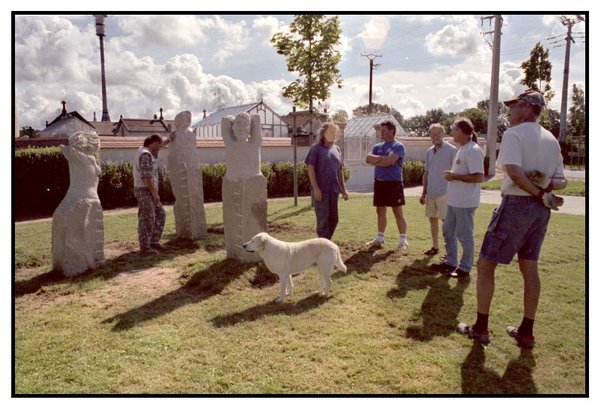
point(518, 226)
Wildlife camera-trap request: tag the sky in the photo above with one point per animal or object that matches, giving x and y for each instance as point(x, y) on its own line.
point(199, 62)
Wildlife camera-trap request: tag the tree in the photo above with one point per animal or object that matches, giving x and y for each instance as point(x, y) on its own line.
point(309, 50)
point(29, 131)
point(502, 121)
point(538, 69)
point(418, 125)
point(376, 108)
point(550, 119)
point(340, 116)
point(478, 117)
point(577, 112)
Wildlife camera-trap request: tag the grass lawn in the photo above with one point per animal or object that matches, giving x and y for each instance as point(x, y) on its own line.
point(190, 321)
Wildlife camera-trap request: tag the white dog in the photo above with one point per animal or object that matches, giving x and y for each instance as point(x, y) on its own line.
point(288, 259)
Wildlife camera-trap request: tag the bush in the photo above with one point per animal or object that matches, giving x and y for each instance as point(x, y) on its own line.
point(115, 187)
point(42, 180)
point(412, 172)
point(212, 178)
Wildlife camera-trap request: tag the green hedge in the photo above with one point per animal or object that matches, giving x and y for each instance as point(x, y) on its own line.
point(412, 172)
point(42, 180)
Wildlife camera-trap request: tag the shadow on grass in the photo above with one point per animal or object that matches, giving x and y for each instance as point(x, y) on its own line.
point(517, 378)
point(288, 212)
point(203, 284)
point(126, 262)
point(363, 260)
point(441, 306)
point(271, 308)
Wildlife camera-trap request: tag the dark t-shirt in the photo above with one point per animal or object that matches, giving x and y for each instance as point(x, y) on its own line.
point(327, 162)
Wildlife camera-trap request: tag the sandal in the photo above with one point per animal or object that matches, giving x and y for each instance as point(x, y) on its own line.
point(431, 252)
point(523, 341)
point(483, 338)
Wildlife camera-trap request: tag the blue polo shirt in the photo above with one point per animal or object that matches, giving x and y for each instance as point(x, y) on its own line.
point(392, 172)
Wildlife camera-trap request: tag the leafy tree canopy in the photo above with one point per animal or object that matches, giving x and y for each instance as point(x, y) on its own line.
point(376, 108)
point(310, 50)
point(577, 110)
point(538, 71)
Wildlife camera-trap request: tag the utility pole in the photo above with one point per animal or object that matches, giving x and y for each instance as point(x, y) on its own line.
point(569, 22)
point(100, 33)
point(371, 57)
point(492, 124)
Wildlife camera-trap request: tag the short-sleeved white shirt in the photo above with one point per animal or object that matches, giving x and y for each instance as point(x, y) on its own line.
point(531, 147)
point(468, 161)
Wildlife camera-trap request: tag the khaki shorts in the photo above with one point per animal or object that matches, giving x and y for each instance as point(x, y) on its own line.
point(436, 207)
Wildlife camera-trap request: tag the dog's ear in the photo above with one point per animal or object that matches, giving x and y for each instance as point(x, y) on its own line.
point(263, 241)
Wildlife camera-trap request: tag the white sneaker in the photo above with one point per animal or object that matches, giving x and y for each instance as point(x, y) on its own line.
point(377, 244)
point(403, 245)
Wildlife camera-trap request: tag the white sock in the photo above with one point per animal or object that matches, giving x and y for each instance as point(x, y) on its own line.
point(380, 236)
point(403, 239)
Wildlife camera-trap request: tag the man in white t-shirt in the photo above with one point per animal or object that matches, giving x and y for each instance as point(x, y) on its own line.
point(464, 181)
point(519, 224)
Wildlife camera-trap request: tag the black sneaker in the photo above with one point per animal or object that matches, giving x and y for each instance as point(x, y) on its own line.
point(431, 252)
point(482, 337)
point(458, 273)
point(523, 341)
point(442, 268)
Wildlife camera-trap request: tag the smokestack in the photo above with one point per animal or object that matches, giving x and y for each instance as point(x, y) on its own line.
point(100, 33)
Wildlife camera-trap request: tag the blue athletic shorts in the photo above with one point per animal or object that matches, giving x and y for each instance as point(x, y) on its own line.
point(518, 226)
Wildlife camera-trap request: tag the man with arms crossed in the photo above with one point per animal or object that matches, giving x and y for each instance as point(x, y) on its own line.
point(387, 157)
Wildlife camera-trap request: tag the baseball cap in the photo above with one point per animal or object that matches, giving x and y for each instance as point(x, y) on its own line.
point(530, 96)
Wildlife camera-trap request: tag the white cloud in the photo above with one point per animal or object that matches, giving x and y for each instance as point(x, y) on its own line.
point(49, 48)
point(462, 39)
point(264, 27)
point(454, 103)
point(375, 32)
point(145, 31)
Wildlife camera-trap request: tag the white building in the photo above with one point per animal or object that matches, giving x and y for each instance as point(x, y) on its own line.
point(272, 124)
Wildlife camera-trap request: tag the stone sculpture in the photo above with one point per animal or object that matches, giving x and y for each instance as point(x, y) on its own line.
point(185, 176)
point(78, 221)
point(244, 186)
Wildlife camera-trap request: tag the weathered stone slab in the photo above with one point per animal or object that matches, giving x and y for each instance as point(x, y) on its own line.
point(244, 188)
point(185, 176)
point(78, 221)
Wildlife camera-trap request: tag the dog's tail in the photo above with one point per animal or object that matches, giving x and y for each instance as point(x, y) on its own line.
point(339, 263)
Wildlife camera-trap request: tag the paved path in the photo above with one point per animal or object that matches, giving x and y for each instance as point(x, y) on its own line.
point(573, 204)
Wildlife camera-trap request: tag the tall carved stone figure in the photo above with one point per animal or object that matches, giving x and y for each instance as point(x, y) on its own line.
point(185, 177)
point(78, 221)
point(244, 186)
